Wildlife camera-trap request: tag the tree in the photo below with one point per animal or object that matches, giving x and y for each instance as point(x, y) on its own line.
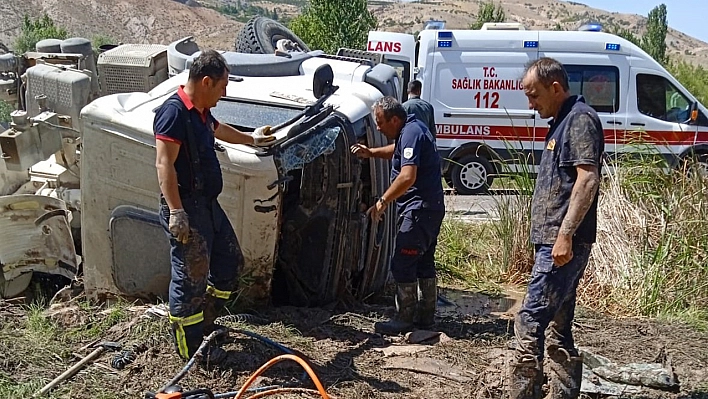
point(34, 30)
point(489, 12)
point(692, 77)
point(626, 34)
point(328, 25)
point(654, 41)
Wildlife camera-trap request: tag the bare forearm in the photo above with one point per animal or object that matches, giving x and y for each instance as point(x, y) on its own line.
point(167, 177)
point(231, 135)
point(581, 199)
point(398, 188)
point(383, 152)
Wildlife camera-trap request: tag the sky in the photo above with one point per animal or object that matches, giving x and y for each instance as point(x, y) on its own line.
point(687, 16)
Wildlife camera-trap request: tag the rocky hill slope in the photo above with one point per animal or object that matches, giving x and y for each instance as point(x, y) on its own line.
point(162, 21)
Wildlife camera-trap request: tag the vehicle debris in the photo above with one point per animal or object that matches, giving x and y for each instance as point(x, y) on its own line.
point(601, 375)
point(100, 348)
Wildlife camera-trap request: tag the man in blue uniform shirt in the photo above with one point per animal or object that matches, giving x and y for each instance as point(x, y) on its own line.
point(416, 188)
point(205, 254)
point(563, 229)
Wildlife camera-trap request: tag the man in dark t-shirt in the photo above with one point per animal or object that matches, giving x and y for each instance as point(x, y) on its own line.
point(416, 188)
point(422, 109)
point(205, 254)
point(563, 229)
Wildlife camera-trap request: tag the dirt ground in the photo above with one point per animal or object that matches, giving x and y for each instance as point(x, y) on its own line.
point(340, 344)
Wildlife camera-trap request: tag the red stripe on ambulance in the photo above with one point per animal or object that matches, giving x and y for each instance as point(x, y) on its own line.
point(520, 133)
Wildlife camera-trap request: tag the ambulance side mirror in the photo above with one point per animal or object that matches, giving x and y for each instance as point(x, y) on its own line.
point(692, 114)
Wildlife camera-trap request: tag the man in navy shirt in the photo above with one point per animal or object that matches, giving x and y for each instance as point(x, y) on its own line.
point(416, 188)
point(205, 253)
point(563, 229)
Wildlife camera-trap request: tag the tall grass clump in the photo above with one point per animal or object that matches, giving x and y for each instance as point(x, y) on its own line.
point(512, 229)
point(651, 256)
point(463, 254)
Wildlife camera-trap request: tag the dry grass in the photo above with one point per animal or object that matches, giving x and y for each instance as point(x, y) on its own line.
point(651, 250)
point(650, 258)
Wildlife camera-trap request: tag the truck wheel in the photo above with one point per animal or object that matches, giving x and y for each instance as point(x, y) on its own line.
point(260, 35)
point(471, 175)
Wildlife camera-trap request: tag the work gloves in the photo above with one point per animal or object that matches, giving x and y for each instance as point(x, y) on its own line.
point(262, 136)
point(179, 225)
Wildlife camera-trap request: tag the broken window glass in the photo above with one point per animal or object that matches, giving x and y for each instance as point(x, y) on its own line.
point(297, 155)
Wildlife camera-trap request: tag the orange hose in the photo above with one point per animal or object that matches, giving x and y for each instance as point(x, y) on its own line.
point(279, 359)
point(283, 390)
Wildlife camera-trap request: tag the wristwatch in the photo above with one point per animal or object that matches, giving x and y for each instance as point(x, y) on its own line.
point(382, 200)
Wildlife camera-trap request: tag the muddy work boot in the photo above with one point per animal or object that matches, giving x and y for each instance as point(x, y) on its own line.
point(524, 378)
point(212, 307)
point(188, 337)
point(406, 301)
point(565, 373)
point(213, 356)
point(427, 299)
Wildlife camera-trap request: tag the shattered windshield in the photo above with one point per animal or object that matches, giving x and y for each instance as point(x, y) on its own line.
point(251, 115)
point(310, 145)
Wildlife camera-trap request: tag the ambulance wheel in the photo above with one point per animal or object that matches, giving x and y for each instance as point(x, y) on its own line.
point(697, 165)
point(260, 35)
point(471, 175)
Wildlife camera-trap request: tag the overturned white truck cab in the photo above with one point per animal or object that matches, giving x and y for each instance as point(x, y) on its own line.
point(298, 207)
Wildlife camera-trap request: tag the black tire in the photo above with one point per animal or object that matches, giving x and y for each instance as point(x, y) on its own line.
point(471, 175)
point(260, 36)
point(696, 164)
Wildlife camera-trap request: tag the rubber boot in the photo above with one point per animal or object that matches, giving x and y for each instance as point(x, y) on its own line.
point(427, 299)
point(565, 373)
point(212, 308)
point(188, 339)
point(406, 301)
point(524, 378)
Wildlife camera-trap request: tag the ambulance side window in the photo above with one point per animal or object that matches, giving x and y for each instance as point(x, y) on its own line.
point(658, 98)
point(599, 85)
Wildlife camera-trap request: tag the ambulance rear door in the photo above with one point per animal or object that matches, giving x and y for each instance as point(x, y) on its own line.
point(484, 125)
point(400, 52)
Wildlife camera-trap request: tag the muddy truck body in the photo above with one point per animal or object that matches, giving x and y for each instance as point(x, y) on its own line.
point(78, 185)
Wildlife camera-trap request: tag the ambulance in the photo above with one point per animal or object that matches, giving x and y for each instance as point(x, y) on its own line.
point(484, 126)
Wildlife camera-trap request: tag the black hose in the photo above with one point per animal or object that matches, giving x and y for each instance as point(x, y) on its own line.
point(198, 394)
point(204, 343)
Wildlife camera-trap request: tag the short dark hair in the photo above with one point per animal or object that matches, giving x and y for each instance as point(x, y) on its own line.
point(209, 63)
point(415, 86)
point(548, 70)
point(390, 108)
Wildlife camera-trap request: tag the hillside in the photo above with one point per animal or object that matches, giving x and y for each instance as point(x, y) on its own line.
point(162, 21)
point(127, 21)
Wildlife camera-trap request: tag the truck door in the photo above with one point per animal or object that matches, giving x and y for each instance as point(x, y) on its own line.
point(660, 116)
point(603, 81)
